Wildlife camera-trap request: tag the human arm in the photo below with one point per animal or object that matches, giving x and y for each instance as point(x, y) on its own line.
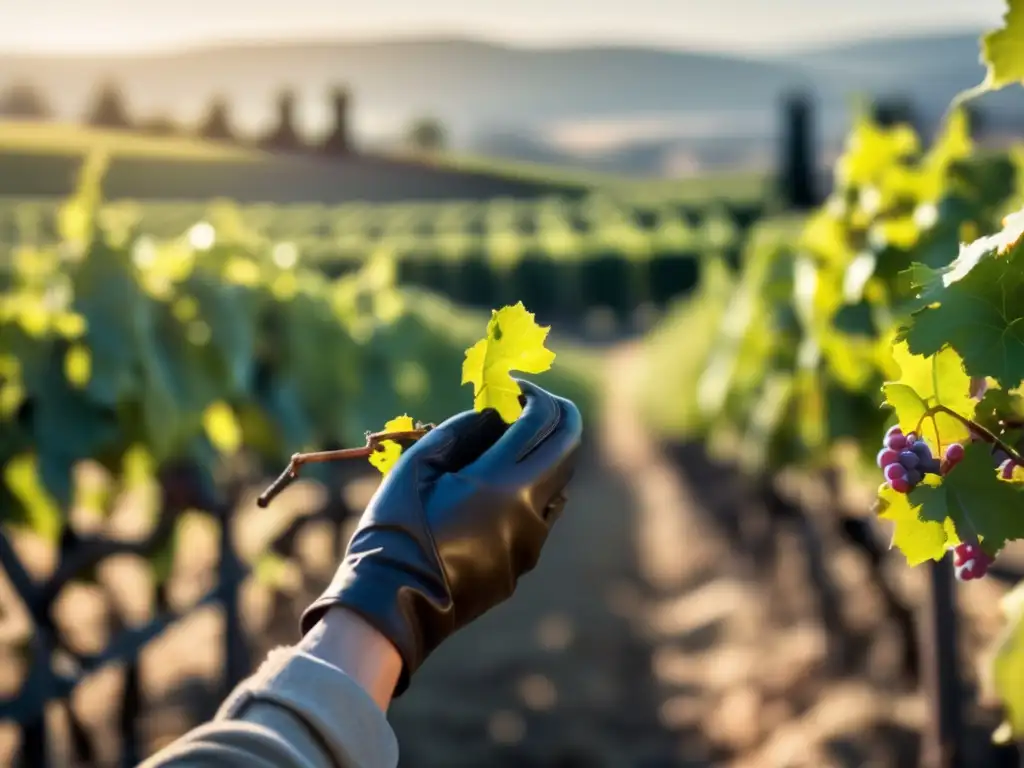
point(319, 704)
point(464, 513)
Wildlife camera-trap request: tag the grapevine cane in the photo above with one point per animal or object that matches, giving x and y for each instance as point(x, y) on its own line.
point(373, 443)
point(976, 429)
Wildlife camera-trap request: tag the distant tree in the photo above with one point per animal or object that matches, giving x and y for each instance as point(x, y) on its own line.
point(890, 111)
point(426, 134)
point(284, 137)
point(160, 125)
point(217, 123)
point(338, 141)
point(109, 109)
point(24, 102)
point(798, 162)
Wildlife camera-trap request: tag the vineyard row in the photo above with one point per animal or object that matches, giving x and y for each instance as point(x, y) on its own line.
point(27, 220)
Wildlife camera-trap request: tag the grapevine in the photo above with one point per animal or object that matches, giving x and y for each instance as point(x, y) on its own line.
point(906, 290)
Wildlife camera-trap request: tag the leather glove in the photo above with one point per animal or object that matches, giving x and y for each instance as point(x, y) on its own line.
point(460, 517)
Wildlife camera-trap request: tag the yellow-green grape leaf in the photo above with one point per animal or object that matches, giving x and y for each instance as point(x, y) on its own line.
point(975, 499)
point(44, 516)
point(1002, 50)
point(872, 150)
point(924, 383)
point(919, 540)
point(389, 451)
point(514, 342)
point(222, 428)
point(1007, 667)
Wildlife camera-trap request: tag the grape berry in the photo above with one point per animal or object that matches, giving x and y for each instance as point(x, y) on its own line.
point(970, 561)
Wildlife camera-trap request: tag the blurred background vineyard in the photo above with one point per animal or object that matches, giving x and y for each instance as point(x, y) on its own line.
point(189, 294)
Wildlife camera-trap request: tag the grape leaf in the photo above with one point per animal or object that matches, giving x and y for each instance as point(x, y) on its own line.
point(976, 306)
point(919, 540)
point(997, 405)
point(872, 151)
point(514, 342)
point(924, 383)
point(978, 503)
point(387, 455)
point(1002, 50)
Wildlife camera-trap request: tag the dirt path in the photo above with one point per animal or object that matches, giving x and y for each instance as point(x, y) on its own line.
point(558, 676)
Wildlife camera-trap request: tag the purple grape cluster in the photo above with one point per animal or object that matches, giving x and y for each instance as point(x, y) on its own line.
point(905, 459)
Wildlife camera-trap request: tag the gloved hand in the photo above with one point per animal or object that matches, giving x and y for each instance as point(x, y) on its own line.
point(461, 516)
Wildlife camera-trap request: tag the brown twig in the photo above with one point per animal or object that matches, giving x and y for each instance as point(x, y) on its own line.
point(373, 443)
point(975, 428)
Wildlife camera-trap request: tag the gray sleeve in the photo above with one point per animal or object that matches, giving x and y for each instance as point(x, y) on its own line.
point(297, 711)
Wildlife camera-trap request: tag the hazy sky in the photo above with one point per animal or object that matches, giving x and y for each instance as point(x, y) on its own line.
point(742, 25)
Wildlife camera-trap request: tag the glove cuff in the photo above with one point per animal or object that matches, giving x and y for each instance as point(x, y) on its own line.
point(412, 616)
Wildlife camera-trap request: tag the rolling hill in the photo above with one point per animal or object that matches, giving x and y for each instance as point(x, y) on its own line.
point(522, 101)
point(470, 85)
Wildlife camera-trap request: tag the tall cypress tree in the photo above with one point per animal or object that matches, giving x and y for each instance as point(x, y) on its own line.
point(339, 141)
point(798, 160)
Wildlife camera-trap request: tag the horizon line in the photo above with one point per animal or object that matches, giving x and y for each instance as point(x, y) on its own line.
point(483, 39)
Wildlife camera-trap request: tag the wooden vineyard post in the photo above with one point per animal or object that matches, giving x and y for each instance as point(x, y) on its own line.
point(942, 742)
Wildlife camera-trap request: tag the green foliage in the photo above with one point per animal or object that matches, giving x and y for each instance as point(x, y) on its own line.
point(797, 356)
point(975, 305)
